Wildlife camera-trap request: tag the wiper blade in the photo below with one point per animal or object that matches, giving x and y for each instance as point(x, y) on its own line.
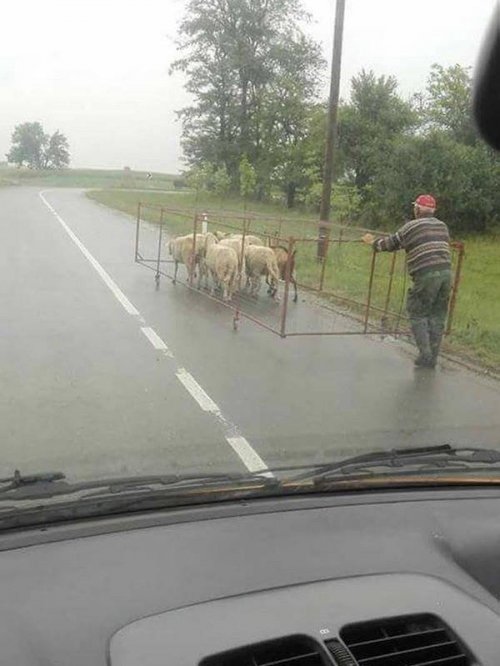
point(18, 480)
point(415, 459)
point(45, 486)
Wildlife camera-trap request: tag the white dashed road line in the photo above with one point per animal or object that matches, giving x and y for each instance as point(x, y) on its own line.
point(201, 397)
point(156, 341)
point(247, 454)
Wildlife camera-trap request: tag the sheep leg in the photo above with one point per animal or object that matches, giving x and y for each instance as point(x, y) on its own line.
point(214, 283)
point(255, 287)
point(200, 273)
point(274, 290)
point(176, 267)
point(206, 270)
point(269, 286)
point(190, 267)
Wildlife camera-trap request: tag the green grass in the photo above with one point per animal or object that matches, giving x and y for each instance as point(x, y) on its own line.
point(87, 178)
point(266, 217)
point(476, 326)
point(477, 323)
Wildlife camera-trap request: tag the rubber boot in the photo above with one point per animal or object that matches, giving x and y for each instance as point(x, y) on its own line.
point(420, 329)
point(436, 330)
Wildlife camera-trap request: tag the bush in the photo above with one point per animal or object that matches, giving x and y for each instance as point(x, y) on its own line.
point(464, 179)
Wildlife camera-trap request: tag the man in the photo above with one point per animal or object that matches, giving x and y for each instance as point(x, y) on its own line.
point(427, 243)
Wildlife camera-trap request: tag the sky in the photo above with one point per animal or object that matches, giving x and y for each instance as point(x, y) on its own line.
point(98, 70)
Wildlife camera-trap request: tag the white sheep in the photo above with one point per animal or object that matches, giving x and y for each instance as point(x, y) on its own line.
point(222, 262)
point(249, 239)
point(237, 245)
point(261, 261)
point(183, 251)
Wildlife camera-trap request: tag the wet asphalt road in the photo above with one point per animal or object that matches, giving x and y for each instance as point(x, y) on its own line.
point(85, 391)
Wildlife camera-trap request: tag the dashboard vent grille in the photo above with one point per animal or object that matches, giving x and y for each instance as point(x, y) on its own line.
point(293, 651)
point(422, 640)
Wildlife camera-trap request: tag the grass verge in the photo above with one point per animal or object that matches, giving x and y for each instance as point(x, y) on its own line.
point(87, 178)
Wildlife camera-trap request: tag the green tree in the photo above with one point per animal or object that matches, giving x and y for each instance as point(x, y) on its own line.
point(444, 157)
point(465, 180)
point(221, 182)
point(448, 102)
point(31, 146)
point(248, 178)
point(251, 70)
point(28, 145)
point(200, 177)
point(56, 151)
point(374, 117)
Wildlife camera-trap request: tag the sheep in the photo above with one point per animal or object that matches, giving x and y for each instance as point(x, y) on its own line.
point(181, 249)
point(249, 239)
point(222, 262)
point(261, 261)
point(237, 245)
point(282, 259)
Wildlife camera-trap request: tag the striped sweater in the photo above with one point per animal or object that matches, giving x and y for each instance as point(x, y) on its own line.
point(426, 241)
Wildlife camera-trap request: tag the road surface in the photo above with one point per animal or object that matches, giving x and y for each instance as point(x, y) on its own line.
point(103, 374)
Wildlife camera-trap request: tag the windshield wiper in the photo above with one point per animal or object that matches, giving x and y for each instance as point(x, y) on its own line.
point(421, 460)
point(17, 480)
point(49, 500)
point(52, 484)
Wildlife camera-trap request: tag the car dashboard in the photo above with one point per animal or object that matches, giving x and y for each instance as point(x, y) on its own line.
point(375, 579)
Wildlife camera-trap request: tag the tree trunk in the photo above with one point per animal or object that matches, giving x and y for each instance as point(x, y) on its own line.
point(261, 192)
point(244, 147)
point(291, 191)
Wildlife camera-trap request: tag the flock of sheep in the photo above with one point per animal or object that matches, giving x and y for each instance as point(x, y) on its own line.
point(232, 263)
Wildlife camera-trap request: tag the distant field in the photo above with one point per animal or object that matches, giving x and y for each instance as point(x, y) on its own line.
point(92, 178)
point(476, 330)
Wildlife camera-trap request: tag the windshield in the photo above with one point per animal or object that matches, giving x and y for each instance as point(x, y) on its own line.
point(245, 236)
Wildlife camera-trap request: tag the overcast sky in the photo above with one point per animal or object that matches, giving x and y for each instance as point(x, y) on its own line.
point(98, 69)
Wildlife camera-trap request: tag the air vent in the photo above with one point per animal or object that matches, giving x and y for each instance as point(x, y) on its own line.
point(341, 655)
point(406, 641)
point(293, 651)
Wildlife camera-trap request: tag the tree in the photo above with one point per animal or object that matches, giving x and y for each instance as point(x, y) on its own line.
point(248, 178)
point(199, 177)
point(56, 152)
point(448, 102)
point(374, 117)
point(252, 72)
point(28, 145)
point(443, 156)
point(33, 147)
point(465, 179)
point(222, 182)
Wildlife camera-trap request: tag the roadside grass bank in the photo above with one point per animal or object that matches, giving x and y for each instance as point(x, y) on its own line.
point(87, 178)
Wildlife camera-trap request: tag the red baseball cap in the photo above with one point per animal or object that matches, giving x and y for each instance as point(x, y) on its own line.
point(426, 200)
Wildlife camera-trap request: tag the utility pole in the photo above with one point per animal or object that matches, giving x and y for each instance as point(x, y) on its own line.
point(331, 128)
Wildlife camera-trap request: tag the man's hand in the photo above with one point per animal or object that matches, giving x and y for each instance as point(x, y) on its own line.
point(369, 239)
